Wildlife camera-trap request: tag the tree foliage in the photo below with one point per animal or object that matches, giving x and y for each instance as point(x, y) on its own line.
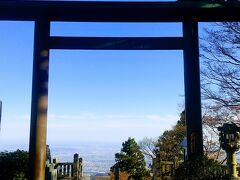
point(199, 168)
point(169, 146)
point(14, 165)
point(131, 159)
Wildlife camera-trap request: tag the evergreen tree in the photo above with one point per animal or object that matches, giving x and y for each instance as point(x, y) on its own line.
point(131, 159)
point(13, 165)
point(169, 143)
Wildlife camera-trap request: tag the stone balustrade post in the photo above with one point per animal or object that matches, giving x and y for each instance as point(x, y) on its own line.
point(80, 169)
point(75, 167)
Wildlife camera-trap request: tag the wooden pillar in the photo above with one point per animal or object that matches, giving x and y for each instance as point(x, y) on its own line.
point(37, 145)
point(192, 88)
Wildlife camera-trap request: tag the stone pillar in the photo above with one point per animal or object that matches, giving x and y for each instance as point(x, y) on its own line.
point(80, 168)
point(232, 164)
point(192, 88)
point(75, 167)
point(38, 128)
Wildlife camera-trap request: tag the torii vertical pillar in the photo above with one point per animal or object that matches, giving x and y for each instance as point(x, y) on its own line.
point(37, 145)
point(192, 88)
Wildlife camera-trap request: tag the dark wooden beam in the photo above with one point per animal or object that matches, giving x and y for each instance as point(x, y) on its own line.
point(192, 88)
point(117, 43)
point(120, 11)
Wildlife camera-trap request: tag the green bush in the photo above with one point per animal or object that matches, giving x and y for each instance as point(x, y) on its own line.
point(13, 165)
point(200, 168)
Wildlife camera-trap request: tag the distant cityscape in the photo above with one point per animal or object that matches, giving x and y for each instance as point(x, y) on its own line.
point(97, 157)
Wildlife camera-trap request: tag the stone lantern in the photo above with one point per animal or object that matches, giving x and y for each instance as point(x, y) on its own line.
point(230, 142)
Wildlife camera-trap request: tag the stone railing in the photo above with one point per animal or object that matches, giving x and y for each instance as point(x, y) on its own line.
point(162, 169)
point(166, 169)
point(65, 170)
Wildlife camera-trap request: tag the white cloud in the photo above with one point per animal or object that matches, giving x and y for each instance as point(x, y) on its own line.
point(24, 117)
point(157, 117)
point(112, 127)
point(128, 117)
point(82, 116)
point(91, 126)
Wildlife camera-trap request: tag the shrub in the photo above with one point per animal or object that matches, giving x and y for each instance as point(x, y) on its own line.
point(13, 165)
point(199, 168)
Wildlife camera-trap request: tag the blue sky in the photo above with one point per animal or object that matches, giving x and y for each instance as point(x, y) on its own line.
point(93, 95)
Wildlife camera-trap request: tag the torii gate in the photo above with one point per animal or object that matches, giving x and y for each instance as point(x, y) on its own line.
point(44, 12)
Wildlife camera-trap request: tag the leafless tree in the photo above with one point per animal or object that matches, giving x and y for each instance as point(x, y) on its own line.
point(148, 146)
point(221, 65)
point(220, 75)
